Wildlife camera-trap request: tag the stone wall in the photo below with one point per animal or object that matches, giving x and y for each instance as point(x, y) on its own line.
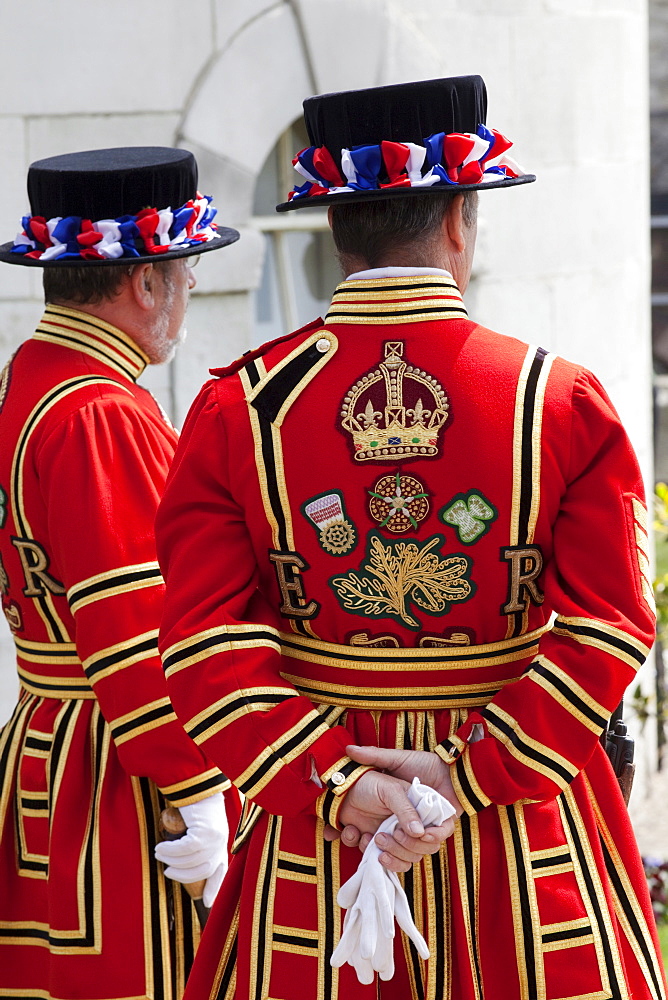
point(658, 100)
point(563, 263)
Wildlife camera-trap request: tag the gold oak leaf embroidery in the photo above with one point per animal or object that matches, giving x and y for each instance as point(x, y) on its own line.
point(403, 571)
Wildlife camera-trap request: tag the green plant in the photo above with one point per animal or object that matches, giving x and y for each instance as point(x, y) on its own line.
point(656, 873)
point(661, 580)
point(641, 705)
point(663, 941)
point(661, 596)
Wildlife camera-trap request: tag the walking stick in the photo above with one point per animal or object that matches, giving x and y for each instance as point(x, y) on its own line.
point(172, 827)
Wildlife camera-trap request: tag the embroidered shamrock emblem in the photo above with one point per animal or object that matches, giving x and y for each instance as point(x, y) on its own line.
point(470, 514)
point(398, 502)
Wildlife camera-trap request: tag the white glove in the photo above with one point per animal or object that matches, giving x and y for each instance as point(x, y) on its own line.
point(202, 852)
point(374, 896)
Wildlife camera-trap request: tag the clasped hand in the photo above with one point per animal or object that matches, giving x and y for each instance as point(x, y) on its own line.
point(377, 795)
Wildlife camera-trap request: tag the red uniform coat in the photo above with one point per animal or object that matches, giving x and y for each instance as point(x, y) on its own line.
point(368, 529)
point(93, 744)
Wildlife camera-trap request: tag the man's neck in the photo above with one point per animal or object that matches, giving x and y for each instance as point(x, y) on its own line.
point(110, 311)
point(106, 311)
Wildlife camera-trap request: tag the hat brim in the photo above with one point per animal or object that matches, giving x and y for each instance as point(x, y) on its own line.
point(224, 238)
point(387, 194)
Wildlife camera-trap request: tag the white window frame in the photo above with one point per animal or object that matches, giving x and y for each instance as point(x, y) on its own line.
point(276, 227)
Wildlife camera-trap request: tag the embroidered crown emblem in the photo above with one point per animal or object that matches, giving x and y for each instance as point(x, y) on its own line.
point(396, 411)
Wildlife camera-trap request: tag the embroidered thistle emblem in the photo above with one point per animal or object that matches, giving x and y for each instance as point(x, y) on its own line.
point(395, 412)
point(401, 572)
point(336, 533)
point(3, 507)
point(398, 502)
point(471, 515)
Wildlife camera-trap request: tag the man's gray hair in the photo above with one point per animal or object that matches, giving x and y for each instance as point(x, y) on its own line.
point(406, 227)
point(83, 285)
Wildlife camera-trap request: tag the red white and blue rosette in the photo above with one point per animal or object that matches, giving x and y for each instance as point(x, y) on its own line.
point(151, 232)
point(460, 159)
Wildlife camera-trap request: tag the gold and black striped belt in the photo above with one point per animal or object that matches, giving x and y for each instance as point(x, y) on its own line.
point(460, 677)
point(410, 699)
point(52, 670)
point(404, 659)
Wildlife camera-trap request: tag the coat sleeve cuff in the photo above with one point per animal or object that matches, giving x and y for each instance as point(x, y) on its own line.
point(337, 779)
point(467, 789)
point(454, 752)
point(196, 788)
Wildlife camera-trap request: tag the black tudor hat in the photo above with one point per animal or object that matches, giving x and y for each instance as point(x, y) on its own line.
point(115, 206)
point(400, 141)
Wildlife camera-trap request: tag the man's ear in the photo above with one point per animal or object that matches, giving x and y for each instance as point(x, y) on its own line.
point(330, 213)
point(142, 284)
point(453, 224)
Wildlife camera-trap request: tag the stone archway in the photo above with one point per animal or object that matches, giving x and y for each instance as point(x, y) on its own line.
point(244, 99)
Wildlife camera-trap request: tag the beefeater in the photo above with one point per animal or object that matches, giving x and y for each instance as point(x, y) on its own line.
point(93, 750)
point(396, 541)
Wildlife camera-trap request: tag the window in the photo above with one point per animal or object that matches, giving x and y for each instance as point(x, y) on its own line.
point(300, 270)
